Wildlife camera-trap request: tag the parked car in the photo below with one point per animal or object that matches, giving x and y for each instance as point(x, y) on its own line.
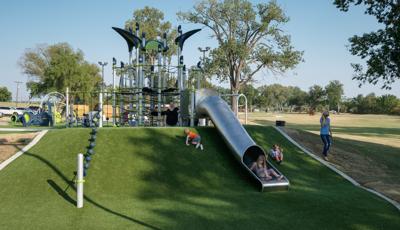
point(20, 110)
point(7, 110)
point(33, 109)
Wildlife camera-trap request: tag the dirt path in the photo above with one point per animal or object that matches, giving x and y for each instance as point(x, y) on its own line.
point(361, 168)
point(11, 143)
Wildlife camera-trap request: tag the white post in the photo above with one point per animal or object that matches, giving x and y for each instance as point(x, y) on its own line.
point(79, 182)
point(67, 108)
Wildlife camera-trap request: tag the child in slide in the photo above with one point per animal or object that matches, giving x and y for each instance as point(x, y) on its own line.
point(194, 138)
point(260, 169)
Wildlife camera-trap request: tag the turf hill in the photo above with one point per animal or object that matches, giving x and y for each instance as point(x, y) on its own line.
point(147, 178)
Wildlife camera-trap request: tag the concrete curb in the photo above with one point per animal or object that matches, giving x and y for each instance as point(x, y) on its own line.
point(333, 168)
point(26, 148)
point(20, 130)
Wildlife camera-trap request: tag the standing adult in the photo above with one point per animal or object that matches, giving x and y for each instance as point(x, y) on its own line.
point(171, 115)
point(325, 133)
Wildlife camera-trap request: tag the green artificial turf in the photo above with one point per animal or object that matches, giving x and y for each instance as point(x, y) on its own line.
point(148, 178)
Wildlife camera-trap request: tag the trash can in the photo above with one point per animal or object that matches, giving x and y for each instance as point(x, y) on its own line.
point(280, 123)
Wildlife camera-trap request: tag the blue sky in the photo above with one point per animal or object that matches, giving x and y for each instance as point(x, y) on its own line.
point(316, 27)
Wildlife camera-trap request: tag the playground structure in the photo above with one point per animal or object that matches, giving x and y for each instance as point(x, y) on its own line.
point(49, 112)
point(141, 87)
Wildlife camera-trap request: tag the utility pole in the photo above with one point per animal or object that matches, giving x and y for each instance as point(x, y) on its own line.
point(206, 49)
point(17, 96)
point(102, 64)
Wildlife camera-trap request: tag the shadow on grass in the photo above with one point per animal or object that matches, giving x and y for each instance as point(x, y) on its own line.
point(86, 198)
point(61, 192)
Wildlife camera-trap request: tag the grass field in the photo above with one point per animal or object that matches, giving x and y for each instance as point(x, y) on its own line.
point(147, 178)
point(379, 129)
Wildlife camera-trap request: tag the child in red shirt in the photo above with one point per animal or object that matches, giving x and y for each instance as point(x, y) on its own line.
point(194, 138)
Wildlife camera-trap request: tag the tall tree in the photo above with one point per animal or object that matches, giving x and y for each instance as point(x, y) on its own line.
point(387, 103)
point(380, 48)
point(5, 95)
point(55, 67)
point(250, 39)
point(151, 21)
point(334, 92)
point(316, 97)
point(297, 98)
point(273, 96)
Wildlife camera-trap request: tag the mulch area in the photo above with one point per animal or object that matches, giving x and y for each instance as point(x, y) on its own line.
point(361, 168)
point(11, 143)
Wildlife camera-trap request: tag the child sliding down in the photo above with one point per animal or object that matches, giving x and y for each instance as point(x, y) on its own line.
point(194, 138)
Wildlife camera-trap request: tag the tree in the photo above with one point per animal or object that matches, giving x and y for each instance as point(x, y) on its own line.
point(5, 95)
point(194, 73)
point(55, 67)
point(151, 21)
point(297, 98)
point(364, 105)
point(316, 97)
point(334, 93)
point(381, 48)
point(250, 38)
point(387, 103)
point(273, 96)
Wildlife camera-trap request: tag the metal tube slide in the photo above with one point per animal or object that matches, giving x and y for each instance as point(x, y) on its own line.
point(245, 150)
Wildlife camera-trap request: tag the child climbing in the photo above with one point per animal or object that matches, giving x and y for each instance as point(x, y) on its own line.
point(276, 153)
point(194, 138)
point(260, 169)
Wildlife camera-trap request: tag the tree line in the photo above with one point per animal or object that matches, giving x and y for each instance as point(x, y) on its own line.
point(279, 98)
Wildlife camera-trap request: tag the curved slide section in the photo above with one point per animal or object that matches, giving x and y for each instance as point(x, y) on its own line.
point(209, 104)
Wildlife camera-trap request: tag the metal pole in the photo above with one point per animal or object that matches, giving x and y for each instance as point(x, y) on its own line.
point(17, 96)
point(192, 113)
point(130, 76)
point(121, 96)
point(114, 96)
point(245, 106)
point(137, 77)
point(180, 86)
point(79, 182)
point(159, 87)
point(101, 93)
point(142, 62)
point(204, 61)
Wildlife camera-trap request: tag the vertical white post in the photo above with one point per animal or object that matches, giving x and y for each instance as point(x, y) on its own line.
point(67, 117)
point(79, 182)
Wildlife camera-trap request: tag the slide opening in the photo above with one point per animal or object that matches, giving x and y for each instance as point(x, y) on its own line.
point(252, 154)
